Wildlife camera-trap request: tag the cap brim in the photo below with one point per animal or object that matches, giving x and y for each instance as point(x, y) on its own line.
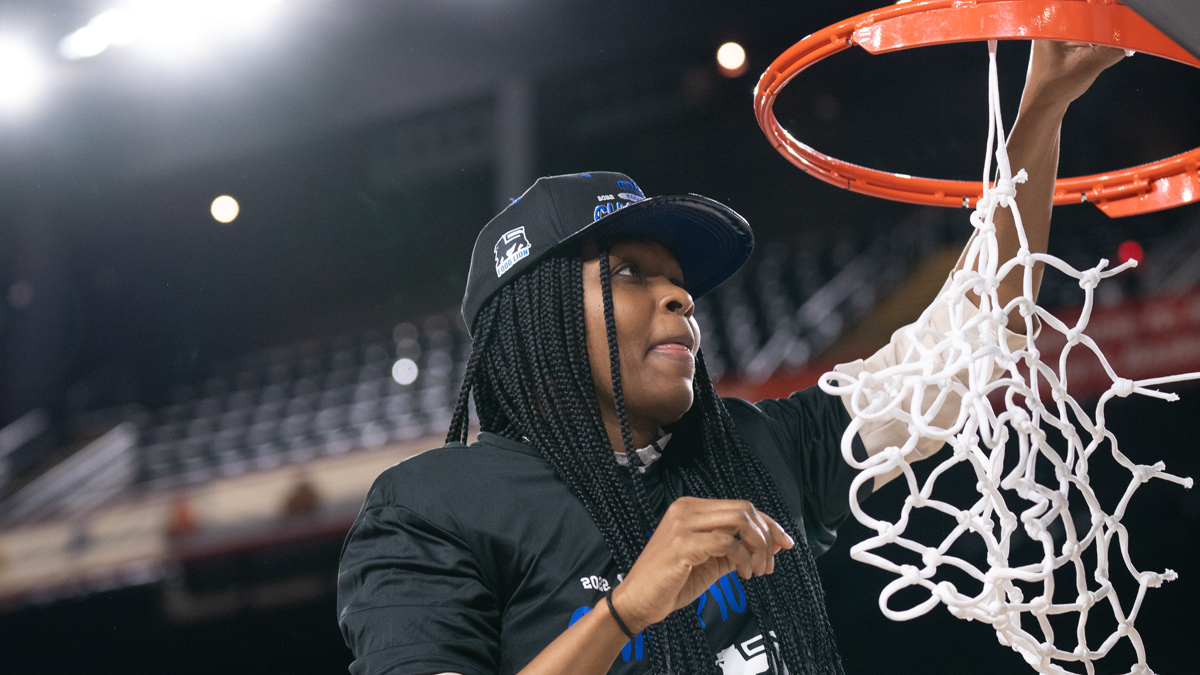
point(709, 240)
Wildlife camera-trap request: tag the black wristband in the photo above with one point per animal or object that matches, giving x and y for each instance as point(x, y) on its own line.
point(617, 617)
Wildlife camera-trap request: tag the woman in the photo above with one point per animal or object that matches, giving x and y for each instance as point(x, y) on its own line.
point(615, 515)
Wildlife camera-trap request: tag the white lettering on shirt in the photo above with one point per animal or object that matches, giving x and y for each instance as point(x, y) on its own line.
point(595, 583)
point(747, 658)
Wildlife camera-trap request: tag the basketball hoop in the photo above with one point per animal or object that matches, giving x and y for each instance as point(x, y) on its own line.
point(964, 379)
point(1164, 184)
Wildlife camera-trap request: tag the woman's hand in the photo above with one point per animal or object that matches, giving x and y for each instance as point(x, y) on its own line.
point(1060, 72)
point(697, 542)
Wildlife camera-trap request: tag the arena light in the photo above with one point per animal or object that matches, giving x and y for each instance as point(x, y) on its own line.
point(83, 44)
point(404, 371)
point(166, 28)
point(112, 28)
point(21, 74)
point(225, 209)
point(731, 57)
point(118, 26)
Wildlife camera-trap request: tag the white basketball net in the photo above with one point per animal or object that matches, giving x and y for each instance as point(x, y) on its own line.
point(941, 367)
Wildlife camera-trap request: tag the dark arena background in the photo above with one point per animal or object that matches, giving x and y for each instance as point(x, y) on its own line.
point(192, 410)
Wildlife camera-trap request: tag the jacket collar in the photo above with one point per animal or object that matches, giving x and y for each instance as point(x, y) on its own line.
point(648, 454)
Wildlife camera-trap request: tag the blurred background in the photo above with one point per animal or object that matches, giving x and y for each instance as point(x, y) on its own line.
point(234, 235)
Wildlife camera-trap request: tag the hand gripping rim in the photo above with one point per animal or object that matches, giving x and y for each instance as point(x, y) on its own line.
point(1164, 184)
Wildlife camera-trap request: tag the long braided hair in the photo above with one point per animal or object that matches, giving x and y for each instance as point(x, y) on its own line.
point(531, 380)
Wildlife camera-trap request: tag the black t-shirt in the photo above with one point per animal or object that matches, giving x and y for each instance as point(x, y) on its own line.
point(471, 559)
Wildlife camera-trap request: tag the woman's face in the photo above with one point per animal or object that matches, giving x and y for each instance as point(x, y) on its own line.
point(656, 335)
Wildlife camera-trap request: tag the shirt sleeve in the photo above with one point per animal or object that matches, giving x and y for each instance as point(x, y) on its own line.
point(878, 435)
point(412, 599)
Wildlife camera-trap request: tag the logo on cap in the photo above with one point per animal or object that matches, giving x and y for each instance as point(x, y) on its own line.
point(630, 186)
point(510, 249)
point(608, 208)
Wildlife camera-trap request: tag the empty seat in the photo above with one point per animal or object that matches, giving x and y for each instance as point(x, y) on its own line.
point(199, 427)
point(300, 405)
point(267, 412)
point(397, 405)
point(340, 378)
point(295, 425)
point(306, 386)
point(262, 432)
point(241, 400)
point(330, 418)
point(335, 397)
point(364, 411)
point(238, 417)
point(370, 391)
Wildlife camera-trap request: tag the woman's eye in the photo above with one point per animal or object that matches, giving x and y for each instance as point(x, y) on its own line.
point(626, 270)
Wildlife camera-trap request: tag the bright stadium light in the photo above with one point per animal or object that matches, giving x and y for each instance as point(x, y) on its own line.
point(115, 27)
point(21, 74)
point(404, 371)
point(82, 44)
point(118, 26)
point(732, 59)
point(167, 28)
point(225, 209)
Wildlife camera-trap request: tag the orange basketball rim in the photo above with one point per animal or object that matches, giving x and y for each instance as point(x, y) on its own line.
point(1164, 184)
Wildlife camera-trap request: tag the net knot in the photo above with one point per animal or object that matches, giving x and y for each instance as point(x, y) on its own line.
point(1061, 472)
point(1004, 192)
point(1123, 387)
point(1008, 523)
point(1143, 473)
point(1037, 437)
point(894, 455)
point(1034, 528)
point(1039, 605)
point(1089, 279)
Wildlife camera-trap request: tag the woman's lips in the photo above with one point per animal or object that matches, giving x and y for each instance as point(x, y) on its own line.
point(674, 350)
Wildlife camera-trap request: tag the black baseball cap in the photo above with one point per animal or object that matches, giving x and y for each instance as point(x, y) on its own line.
point(708, 239)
